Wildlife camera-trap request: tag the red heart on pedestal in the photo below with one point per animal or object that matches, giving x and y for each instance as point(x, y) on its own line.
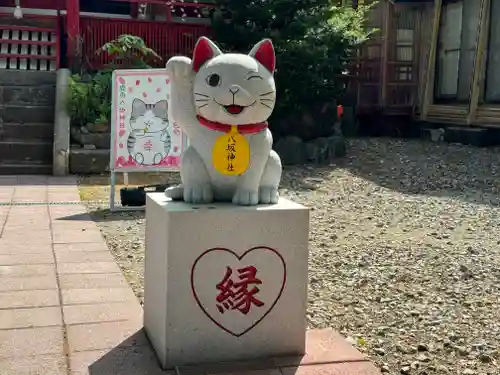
point(236, 292)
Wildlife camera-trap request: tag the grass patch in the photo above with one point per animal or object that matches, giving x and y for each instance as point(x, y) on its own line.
point(96, 188)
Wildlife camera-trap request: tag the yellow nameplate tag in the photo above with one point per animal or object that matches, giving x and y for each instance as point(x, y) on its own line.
point(231, 153)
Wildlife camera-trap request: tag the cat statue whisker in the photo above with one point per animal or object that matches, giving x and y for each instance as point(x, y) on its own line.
point(222, 102)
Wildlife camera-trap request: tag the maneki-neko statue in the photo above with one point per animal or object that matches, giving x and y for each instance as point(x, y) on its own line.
point(222, 102)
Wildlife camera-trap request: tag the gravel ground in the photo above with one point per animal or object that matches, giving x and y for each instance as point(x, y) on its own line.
point(404, 253)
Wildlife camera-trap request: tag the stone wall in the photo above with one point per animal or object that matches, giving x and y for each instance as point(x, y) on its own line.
point(90, 152)
point(83, 162)
point(294, 151)
point(90, 149)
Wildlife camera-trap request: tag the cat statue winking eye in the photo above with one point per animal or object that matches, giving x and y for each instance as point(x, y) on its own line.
point(210, 94)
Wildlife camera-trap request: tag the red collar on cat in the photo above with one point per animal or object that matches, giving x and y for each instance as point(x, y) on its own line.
point(242, 129)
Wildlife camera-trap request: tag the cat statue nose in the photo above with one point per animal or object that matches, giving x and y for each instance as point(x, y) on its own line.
point(234, 89)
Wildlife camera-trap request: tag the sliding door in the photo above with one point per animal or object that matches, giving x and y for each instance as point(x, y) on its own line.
point(492, 92)
point(457, 43)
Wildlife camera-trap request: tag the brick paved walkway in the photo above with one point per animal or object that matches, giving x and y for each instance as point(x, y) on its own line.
point(65, 308)
point(64, 303)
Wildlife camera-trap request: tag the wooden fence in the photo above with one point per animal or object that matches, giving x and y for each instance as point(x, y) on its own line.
point(166, 39)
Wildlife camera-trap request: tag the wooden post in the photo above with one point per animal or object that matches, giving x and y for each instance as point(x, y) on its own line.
point(477, 84)
point(134, 10)
point(384, 58)
point(416, 51)
point(73, 28)
point(431, 65)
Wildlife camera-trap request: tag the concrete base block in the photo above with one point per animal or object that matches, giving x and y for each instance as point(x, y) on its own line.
point(478, 137)
point(225, 282)
point(327, 353)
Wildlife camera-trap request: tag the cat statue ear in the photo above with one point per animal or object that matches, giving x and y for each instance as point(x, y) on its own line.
point(204, 50)
point(263, 52)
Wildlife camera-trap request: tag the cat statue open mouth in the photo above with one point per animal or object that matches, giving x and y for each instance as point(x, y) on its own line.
point(222, 102)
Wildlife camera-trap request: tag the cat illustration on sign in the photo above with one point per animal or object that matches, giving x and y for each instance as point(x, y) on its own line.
point(149, 141)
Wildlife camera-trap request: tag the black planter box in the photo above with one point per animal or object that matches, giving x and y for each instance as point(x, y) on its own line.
point(136, 196)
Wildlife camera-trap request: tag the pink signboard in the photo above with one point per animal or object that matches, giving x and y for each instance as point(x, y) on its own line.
point(143, 135)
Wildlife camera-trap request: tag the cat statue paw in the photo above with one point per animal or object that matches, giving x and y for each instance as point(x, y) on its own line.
point(222, 102)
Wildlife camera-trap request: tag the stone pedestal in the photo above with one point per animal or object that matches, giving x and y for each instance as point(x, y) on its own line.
point(223, 282)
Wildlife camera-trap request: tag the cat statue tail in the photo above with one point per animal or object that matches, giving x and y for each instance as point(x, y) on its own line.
point(175, 192)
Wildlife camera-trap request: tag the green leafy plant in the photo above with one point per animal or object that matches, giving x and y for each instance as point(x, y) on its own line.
point(129, 51)
point(78, 103)
point(90, 95)
point(101, 95)
point(90, 98)
point(314, 41)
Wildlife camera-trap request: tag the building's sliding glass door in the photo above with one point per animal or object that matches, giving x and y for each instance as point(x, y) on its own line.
point(492, 81)
point(456, 53)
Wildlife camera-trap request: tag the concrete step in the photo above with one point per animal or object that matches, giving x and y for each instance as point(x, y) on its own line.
point(26, 113)
point(26, 78)
point(13, 151)
point(101, 141)
point(29, 131)
point(43, 95)
point(9, 169)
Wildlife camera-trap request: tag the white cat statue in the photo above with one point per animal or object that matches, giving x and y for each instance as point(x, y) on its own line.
point(222, 102)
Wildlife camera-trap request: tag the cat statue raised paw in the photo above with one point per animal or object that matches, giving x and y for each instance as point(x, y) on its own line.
point(222, 102)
